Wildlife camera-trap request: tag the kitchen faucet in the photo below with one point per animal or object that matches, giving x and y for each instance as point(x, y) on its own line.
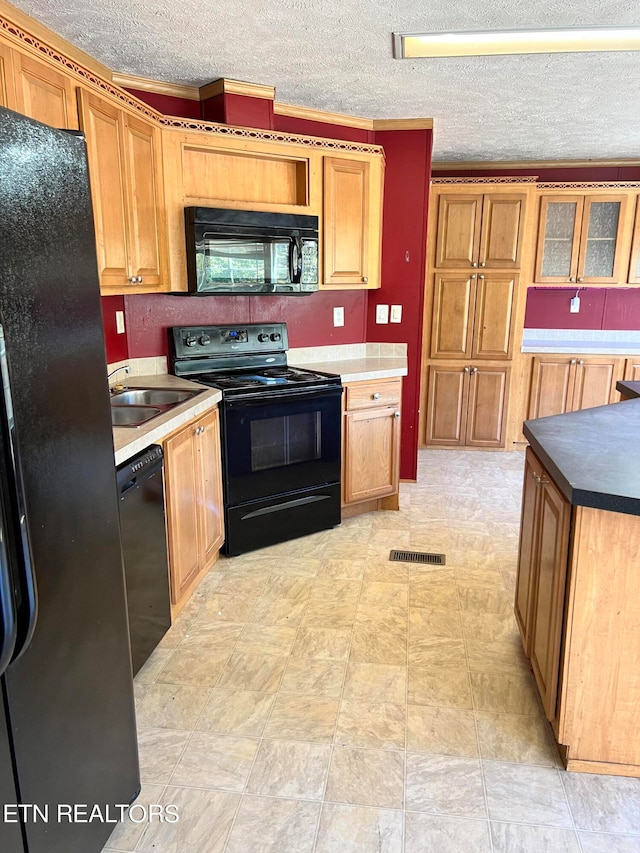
point(117, 386)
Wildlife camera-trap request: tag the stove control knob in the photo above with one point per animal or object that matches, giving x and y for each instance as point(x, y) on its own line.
point(204, 340)
point(263, 336)
point(190, 341)
point(276, 336)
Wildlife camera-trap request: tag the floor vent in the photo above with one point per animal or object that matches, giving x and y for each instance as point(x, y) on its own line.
point(417, 557)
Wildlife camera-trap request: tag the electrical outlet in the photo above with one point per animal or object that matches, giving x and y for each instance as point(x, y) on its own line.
point(120, 322)
point(574, 305)
point(338, 316)
point(382, 313)
point(396, 314)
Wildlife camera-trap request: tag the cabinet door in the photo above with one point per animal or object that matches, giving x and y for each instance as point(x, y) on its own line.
point(634, 265)
point(209, 487)
point(452, 324)
point(523, 606)
point(554, 515)
point(447, 405)
point(487, 407)
point(141, 159)
point(595, 382)
point(7, 87)
point(346, 221)
point(182, 479)
point(103, 125)
point(552, 383)
point(494, 316)
point(372, 445)
point(502, 230)
point(43, 93)
point(632, 369)
point(457, 240)
point(603, 220)
point(560, 220)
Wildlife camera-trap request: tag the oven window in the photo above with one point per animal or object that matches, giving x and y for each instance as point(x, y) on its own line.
point(286, 440)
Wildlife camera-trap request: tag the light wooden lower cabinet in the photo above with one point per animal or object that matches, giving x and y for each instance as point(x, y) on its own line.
point(371, 444)
point(562, 384)
point(467, 405)
point(577, 606)
point(193, 496)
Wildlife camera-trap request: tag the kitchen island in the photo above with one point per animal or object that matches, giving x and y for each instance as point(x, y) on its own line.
point(577, 594)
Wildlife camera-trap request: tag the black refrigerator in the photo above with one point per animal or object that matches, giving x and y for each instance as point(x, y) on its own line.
point(67, 722)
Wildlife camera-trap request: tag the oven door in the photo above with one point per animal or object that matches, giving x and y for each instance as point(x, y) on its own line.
point(278, 442)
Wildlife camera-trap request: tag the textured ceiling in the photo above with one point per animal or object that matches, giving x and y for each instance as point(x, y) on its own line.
point(336, 55)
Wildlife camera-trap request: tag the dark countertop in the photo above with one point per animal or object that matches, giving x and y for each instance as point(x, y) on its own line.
point(628, 388)
point(593, 456)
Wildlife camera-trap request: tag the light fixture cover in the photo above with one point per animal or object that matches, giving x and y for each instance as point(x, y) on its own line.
point(495, 42)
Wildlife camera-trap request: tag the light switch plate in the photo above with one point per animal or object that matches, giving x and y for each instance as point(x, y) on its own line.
point(338, 316)
point(120, 322)
point(574, 305)
point(396, 314)
point(382, 313)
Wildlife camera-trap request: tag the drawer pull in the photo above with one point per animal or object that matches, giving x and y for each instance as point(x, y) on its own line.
point(396, 414)
point(376, 396)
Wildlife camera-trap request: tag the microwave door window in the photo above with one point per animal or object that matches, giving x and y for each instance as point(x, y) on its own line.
point(242, 262)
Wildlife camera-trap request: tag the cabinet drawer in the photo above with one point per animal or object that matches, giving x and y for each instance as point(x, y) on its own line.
point(382, 392)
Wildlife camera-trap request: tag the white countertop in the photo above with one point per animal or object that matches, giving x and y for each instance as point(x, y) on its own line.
point(360, 369)
point(127, 441)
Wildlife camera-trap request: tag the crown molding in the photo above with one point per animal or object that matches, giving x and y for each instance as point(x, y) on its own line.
point(310, 114)
point(486, 165)
point(223, 86)
point(403, 124)
point(43, 34)
point(159, 87)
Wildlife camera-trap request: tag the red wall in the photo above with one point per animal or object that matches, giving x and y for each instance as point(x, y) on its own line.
point(116, 345)
point(600, 308)
point(406, 199)
point(309, 318)
point(170, 106)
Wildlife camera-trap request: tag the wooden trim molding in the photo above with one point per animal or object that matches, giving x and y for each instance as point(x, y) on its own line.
point(269, 135)
point(310, 114)
point(223, 86)
point(506, 179)
point(587, 185)
point(159, 87)
point(479, 165)
point(403, 124)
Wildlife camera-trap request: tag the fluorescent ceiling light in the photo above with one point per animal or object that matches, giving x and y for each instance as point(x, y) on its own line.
point(491, 43)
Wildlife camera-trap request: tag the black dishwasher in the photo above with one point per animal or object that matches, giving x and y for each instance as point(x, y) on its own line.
point(144, 551)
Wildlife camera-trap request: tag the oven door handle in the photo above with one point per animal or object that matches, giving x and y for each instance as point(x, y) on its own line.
point(254, 398)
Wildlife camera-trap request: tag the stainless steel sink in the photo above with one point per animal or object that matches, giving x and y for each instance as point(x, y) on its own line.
point(135, 406)
point(151, 397)
point(132, 415)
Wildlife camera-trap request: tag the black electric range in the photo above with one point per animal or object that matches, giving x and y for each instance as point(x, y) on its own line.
point(281, 431)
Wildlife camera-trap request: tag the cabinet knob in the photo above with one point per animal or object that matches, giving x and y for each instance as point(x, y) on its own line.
point(133, 279)
point(474, 264)
point(480, 276)
point(580, 278)
point(474, 275)
point(364, 278)
point(572, 278)
point(139, 278)
point(466, 370)
point(581, 361)
point(474, 370)
point(396, 414)
point(573, 361)
point(483, 264)
point(376, 396)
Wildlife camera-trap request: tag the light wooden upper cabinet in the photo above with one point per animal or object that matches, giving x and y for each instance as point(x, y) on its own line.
point(582, 239)
point(352, 222)
point(473, 315)
point(634, 263)
point(480, 231)
point(126, 187)
point(43, 93)
point(7, 85)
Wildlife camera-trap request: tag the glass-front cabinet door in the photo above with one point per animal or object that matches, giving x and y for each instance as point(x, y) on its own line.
point(579, 239)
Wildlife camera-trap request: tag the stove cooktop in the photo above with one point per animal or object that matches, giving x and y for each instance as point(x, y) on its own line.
point(267, 378)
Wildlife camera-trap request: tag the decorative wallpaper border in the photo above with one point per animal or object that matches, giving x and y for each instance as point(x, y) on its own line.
point(504, 179)
point(588, 185)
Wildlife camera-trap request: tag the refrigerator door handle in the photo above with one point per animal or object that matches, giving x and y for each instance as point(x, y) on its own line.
point(28, 578)
point(8, 625)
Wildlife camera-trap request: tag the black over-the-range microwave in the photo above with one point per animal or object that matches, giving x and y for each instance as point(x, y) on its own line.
point(244, 251)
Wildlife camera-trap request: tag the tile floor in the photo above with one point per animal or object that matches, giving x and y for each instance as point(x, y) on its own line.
point(316, 697)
